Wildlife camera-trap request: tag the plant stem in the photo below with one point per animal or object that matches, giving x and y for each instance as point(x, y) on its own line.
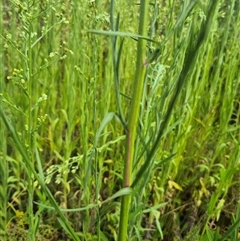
point(3, 150)
point(133, 120)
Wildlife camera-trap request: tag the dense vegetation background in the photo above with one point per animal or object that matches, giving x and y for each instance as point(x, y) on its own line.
point(65, 101)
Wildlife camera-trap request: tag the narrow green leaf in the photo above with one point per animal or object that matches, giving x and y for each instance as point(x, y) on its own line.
point(122, 34)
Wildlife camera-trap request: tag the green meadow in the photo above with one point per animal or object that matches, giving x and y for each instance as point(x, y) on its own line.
point(119, 120)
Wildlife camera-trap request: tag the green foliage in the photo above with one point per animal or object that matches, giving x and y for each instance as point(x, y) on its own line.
point(68, 100)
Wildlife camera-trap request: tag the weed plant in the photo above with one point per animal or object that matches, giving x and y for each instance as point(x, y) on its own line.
point(120, 120)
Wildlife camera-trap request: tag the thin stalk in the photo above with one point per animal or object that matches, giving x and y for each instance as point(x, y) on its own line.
point(133, 120)
point(28, 75)
point(3, 149)
point(116, 62)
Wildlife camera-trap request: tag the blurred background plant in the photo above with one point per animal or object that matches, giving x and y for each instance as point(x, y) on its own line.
point(67, 92)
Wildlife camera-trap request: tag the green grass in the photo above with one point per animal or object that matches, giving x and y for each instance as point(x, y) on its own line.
point(78, 80)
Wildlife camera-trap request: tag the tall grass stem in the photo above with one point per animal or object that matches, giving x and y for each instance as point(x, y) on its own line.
point(133, 119)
